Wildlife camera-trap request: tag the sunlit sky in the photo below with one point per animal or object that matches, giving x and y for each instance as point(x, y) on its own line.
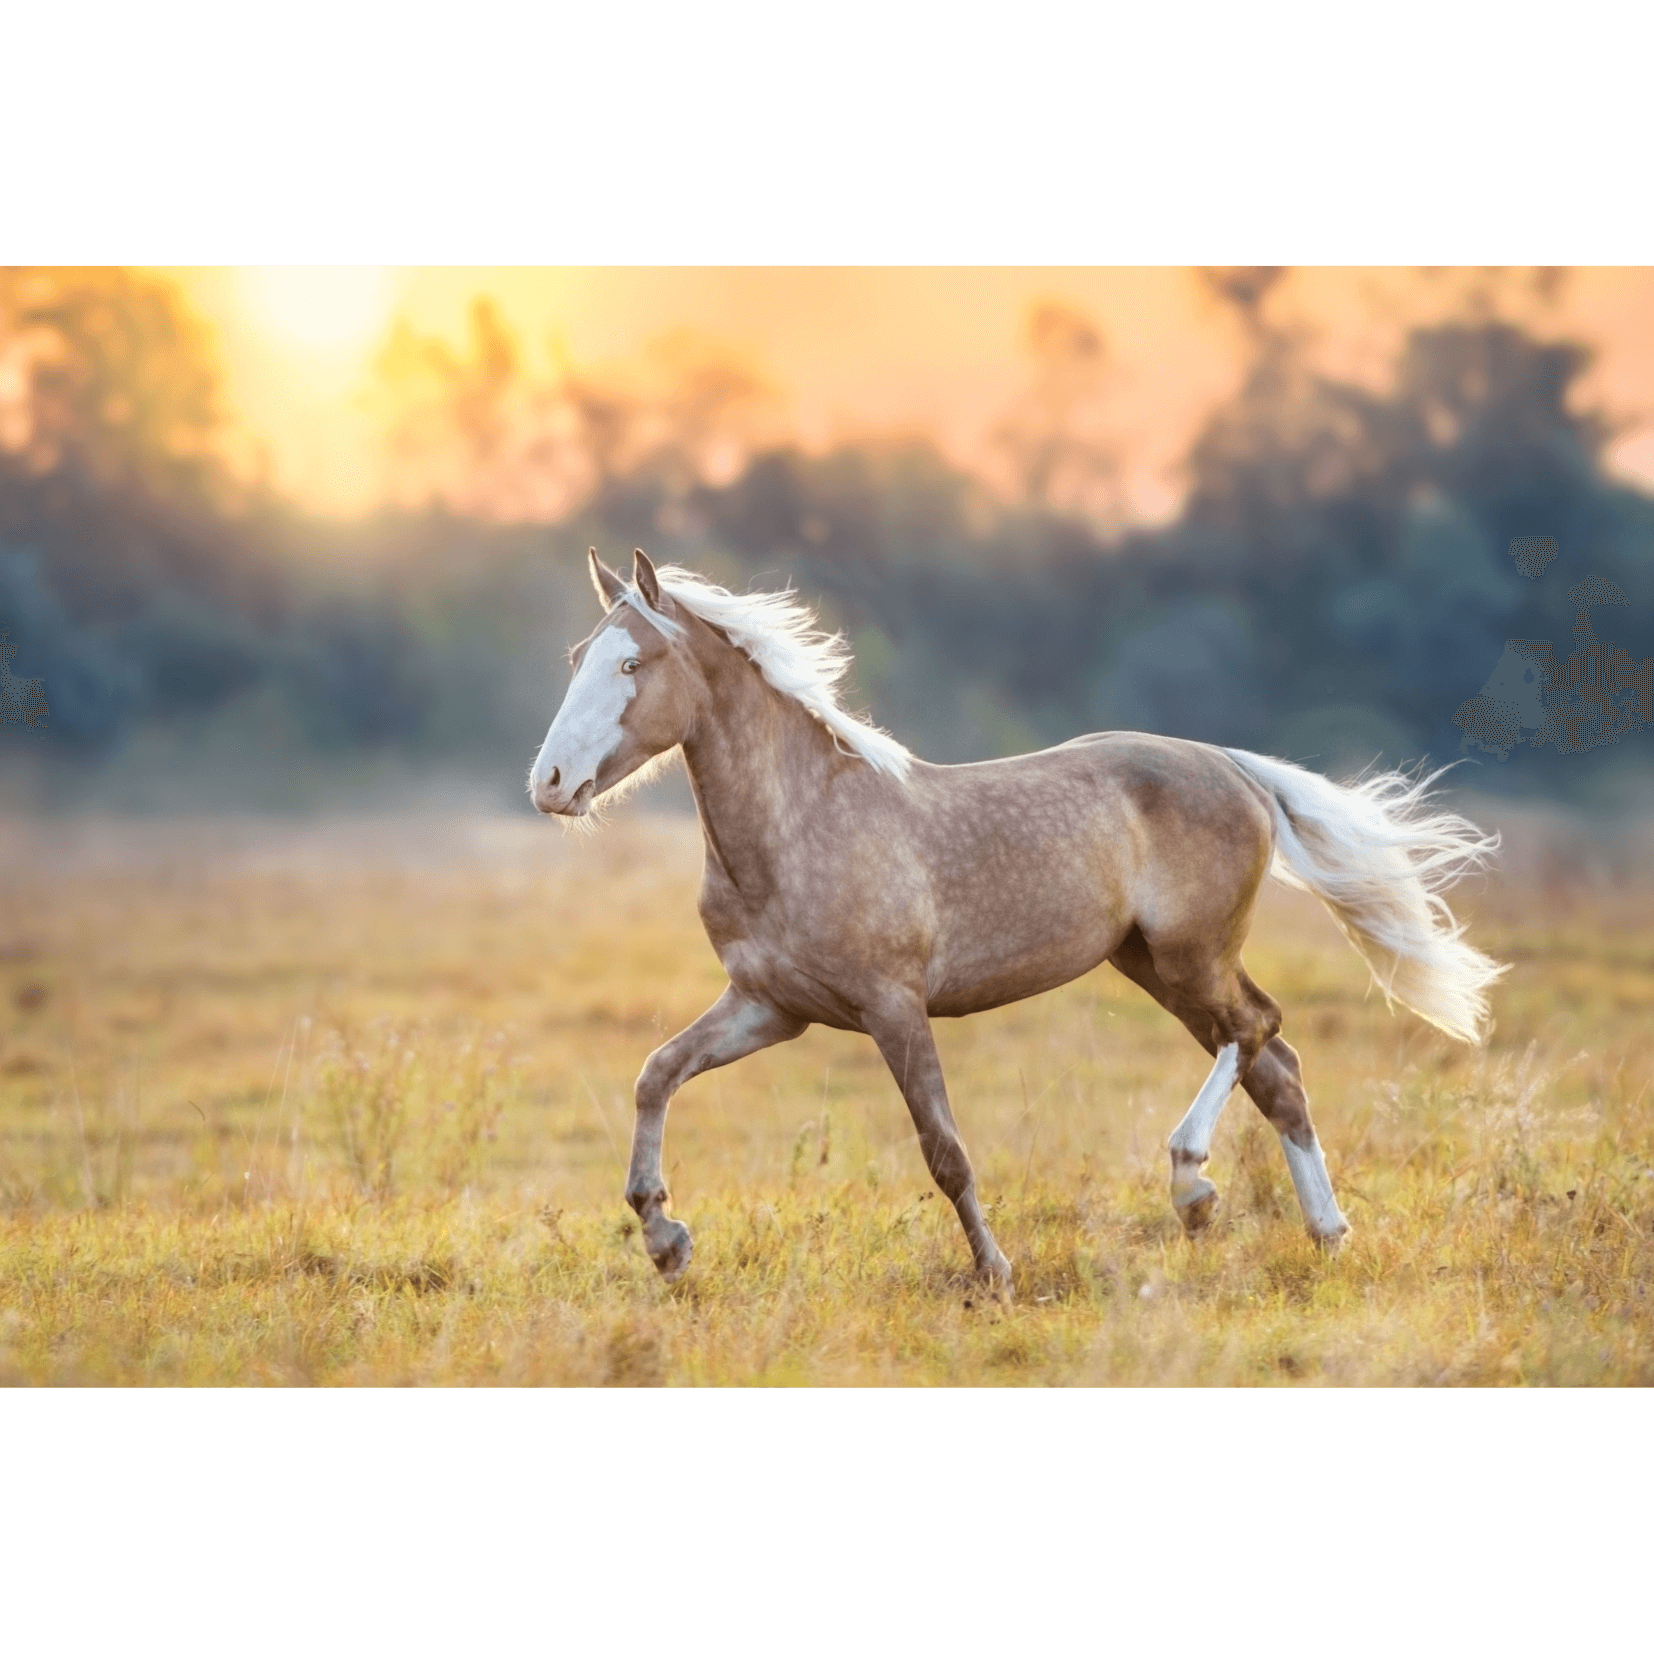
point(865, 351)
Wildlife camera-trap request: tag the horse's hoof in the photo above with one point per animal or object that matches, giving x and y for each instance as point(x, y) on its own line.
point(1199, 1207)
point(672, 1257)
point(995, 1279)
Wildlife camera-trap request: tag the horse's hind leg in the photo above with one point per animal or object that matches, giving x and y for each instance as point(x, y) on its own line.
point(1276, 1085)
point(1273, 1080)
point(1234, 1019)
point(1195, 1197)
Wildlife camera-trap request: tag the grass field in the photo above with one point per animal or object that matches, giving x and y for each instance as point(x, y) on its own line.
point(348, 1102)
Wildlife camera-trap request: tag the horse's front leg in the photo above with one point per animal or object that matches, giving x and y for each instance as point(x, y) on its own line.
point(901, 1030)
point(735, 1027)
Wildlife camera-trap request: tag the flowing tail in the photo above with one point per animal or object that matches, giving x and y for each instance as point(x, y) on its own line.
point(1379, 860)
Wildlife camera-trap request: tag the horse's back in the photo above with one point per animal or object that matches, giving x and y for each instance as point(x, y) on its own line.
point(1170, 781)
point(1111, 778)
point(1042, 864)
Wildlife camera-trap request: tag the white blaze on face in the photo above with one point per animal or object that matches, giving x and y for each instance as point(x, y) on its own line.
point(587, 726)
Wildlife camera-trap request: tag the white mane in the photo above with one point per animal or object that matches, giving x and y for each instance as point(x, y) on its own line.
point(780, 637)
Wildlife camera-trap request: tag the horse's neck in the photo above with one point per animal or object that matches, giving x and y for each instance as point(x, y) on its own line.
point(755, 763)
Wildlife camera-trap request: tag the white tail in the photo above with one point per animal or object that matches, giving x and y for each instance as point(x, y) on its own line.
point(1379, 861)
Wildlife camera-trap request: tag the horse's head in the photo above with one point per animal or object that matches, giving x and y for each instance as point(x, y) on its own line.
point(633, 696)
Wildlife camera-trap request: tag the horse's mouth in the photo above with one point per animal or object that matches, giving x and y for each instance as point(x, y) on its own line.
point(581, 803)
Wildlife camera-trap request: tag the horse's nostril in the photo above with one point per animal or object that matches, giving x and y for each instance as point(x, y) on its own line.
point(554, 777)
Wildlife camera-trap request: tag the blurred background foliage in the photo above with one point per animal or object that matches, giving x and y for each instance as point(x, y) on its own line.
point(1335, 585)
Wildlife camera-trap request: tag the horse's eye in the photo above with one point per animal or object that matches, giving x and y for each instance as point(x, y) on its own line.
point(629, 666)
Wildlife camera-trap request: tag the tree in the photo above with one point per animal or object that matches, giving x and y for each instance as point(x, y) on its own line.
point(1059, 456)
point(106, 375)
point(483, 435)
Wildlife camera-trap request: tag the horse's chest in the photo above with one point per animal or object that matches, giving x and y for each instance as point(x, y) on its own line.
point(804, 986)
point(789, 964)
point(725, 917)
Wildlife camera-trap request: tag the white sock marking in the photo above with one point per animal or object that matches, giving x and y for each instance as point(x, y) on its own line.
point(1194, 1131)
point(1192, 1141)
point(1314, 1186)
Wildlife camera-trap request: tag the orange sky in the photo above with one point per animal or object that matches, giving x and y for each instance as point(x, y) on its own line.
point(858, 351)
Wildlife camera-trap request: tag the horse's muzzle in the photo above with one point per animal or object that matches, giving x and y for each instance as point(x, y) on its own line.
point(549, 797)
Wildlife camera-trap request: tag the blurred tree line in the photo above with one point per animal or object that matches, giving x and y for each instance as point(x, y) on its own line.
point(1335, 586)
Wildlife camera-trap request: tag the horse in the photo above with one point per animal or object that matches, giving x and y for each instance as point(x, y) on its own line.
point(849, 883)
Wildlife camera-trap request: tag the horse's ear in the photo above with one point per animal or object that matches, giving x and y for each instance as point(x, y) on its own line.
point(648, 582)
point(609, 584)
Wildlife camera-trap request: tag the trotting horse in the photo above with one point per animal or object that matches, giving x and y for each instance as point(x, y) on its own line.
point(851, 884)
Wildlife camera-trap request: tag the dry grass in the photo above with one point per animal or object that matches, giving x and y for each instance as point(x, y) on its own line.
point(349, 1103)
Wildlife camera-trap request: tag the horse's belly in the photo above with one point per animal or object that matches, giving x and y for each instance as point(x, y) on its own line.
point(972, 979)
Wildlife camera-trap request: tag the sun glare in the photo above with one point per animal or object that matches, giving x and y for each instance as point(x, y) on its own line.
point(320, 307)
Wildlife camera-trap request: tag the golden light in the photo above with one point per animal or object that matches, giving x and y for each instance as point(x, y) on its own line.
point(323, 308)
